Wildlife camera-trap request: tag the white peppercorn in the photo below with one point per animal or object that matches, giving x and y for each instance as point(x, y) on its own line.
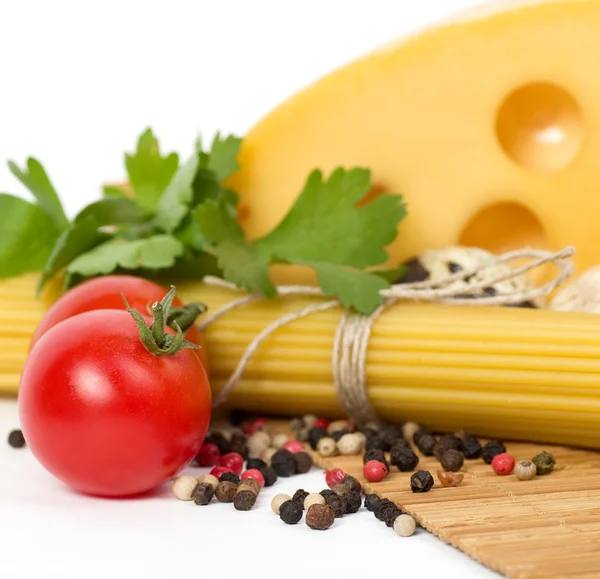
point(278, 500)
point(313, 499)
point(405, 525)
point(327, 447)
point(409, 429)
point(279, 440)
point(183, 487)
point(210, 479)
point(257, 444)
point(309, 420)
point(261, 435)
point(266, 455)
point(525, 470)
point(350, 444)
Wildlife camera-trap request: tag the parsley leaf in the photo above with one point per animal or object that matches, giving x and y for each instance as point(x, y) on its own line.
point(223, 156)
point(149, 172)
point(114, 211)
point(241, 262)
point(34, 177)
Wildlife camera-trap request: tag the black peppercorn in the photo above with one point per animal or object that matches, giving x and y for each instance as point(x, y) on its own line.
point(203, 493)
point(352, 502)
point(230, 477)
point(299, 496)
point(244, 500)
point(290, 512)
point(452, 460)
point(471, 447)
point(382, 507)
point(371, 502)
point(283, 462)
point(339, 508)
point(375, 454)
point(237, 443)
point(341, 490)
point(16, 439)
point(417, 435)
point(426, 444)
point(446, 442)
point(421, 481)
point(326, 492)
point(315, 434)
point(391, 435)
point(339, 433)
point(269, 475)
point(220, 440)
point(390, 515)
point(492, 448)
point(404, 458)
point(256, 463)
point(303, 462)
point(352, 483)
point(375, 441)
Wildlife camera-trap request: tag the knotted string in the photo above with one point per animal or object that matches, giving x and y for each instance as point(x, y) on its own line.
point(353, 332)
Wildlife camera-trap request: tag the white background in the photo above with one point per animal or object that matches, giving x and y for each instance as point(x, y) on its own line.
point(79, 81)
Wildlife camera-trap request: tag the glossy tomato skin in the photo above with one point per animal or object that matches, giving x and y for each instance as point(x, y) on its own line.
point(103, 414)
point(104, 293)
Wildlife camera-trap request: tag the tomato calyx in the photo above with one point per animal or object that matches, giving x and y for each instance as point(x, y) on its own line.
point(155, 339)
point(185, 316)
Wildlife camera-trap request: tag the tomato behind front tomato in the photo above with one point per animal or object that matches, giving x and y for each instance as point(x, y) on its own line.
point(106, 416)
point(104, 293)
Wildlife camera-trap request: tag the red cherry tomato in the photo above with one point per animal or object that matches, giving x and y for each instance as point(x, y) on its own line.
point(106, 416)
point(104, 293)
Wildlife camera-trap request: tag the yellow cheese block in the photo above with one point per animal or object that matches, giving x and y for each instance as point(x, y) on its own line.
point(488, 124)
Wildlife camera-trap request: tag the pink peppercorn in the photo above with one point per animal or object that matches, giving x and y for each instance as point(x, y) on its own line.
point(256, 475)
point(374, 471)
point(208, 455)
point(334, 476)
point(321, 423)
point(252, 427)
point(218, 471)
point(294, 446)
point(233, 460)
point(503, 464)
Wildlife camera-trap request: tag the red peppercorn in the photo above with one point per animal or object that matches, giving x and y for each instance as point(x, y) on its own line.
point(208, 455)
point(233, 460)
point(503, 464)
point(218, 471)
point(294, 446)
point(334, 476)
point(321, 423)
point(374, 471)
point(255, 474)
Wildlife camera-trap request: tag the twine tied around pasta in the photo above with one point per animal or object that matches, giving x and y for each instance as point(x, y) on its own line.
point(352, 335)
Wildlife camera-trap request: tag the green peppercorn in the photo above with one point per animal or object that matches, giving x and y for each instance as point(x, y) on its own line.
point(544, 463)
point(421, 481)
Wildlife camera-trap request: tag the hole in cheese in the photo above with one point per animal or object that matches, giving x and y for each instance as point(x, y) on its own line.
point(540, 127)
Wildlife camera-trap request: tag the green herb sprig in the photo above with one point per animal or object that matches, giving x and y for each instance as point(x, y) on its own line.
point(179, 221)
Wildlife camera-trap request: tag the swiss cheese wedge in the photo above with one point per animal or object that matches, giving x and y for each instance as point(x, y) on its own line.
point(489, 125)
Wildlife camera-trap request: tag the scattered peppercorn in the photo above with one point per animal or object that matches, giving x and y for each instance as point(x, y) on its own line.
point(503, 464)
point(392, 435)
point(352, 483)
point(446, 442)
point(278, 500)
point(304, 462)
point(408, 430)
point(341, 490)
point(254, 474)
point(269, 475)
point(203, 493)
point(404, 458)
point(421, 481)
point(208, 455)
point(375, 454)
point(544, 463)
point(299, 496)
point(452, 460)
point(290, 512)
point(352, 502)
point(327, 447)
point(225, 491)
point(210, 479)
point(337, 504)
point(279, 440)
point(426, 444)
point(314, 435)
point(184, 486)
point(219, 439)
point(244, 500)
point(256, 463)
point(283, 462)
point(302, 435)
point(450, 479)
point(405, 526)
point(326, 492)
point(338, 434)
point(313, 499)
point(375, 441)
point(350, 444)
point(491, 449)
point(374, 471)
point(309, 420)
point(338, 426)
point(233, 460)
point(320, 517)
point(371, 502)
point(321, 422)
point(525, 470)
point(256, 425)
point(266, 455)
point(295, 424)
point(390, 515)
point(250, 483)
point(381, 508)
point(237, 443)
point(230, 477)
point(16, 438)
point(219, 470)
point(334, 477)
point(294, 446)
point(471, 447)
point(418, 433)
